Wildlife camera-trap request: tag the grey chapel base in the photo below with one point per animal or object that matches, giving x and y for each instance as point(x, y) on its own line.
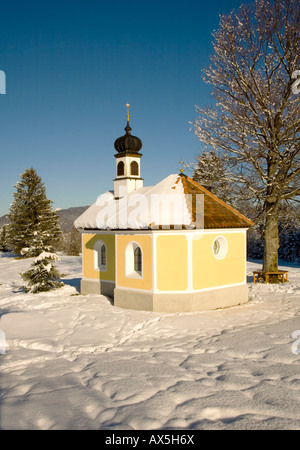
point(185, 302)
point(170, 303)
point(97, 287)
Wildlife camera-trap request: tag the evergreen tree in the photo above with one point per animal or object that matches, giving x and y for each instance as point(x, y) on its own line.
point(42, 275)
point(33, 225)
point(289, 234)
point(210, 171)
point(74, 242)
point(289, 244)
point(4, 239)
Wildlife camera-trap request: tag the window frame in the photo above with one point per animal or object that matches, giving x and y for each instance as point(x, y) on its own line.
point(120, 164)
point(98, 248)
point(222, 246)
point(136, 167)
point(130, 265)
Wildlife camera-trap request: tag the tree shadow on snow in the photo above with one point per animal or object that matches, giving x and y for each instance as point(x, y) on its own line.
point(249, 279)
point(74, 282)
point(5, 311)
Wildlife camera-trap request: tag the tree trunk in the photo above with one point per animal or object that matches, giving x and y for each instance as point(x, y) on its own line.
point(271, 238)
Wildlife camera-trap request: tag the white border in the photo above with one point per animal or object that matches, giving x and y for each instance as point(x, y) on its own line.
point(187, 291)
point(98, 280)
point(172, 232)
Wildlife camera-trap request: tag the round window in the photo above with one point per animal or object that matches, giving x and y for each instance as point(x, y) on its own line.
point(220, 247)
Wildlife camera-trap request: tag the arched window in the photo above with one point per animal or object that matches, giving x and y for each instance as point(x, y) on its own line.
point(133, 260)
point(138, 260)
point(120, 168)
point(100, 260)
point(103, 256)
point(134, 168)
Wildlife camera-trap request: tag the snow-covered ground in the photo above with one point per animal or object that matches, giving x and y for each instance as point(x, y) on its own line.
point(77, 362)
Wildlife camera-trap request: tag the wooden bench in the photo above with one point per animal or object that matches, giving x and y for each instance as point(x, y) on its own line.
point(282, 276)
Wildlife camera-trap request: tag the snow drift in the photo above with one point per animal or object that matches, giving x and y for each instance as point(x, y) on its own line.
point(77, 362)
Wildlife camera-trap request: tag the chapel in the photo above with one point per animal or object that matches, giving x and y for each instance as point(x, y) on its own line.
point(171, 247)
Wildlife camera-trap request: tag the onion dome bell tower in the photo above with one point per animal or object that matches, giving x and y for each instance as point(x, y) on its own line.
point(128, 162)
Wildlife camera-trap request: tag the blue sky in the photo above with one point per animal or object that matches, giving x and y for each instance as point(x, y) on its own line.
point(71, 66)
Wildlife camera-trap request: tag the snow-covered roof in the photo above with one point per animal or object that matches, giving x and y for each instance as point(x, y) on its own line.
point(175, 202)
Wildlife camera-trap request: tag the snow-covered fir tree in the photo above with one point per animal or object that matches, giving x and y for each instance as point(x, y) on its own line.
point(3, 239)
point(33, 224)
point(210, 171)
point(289, 249)
point(74, 242)
point(289, 233)
point(42, 275)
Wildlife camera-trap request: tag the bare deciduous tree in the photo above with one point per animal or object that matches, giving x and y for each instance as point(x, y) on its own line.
point(255, 123)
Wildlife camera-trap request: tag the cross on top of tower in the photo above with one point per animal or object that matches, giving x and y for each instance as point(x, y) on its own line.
point(128, 143)
point(127, 106)
point(181, 164)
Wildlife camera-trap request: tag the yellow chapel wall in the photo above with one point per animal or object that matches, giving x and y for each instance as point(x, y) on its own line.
point(145, 243)
point(172, 262)
point(88, 244)
point(210, 272)
point(177, 255)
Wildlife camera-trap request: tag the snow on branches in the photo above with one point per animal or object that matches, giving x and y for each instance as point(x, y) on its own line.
point(33, 225)
point(255, 123)
point(42, 275)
